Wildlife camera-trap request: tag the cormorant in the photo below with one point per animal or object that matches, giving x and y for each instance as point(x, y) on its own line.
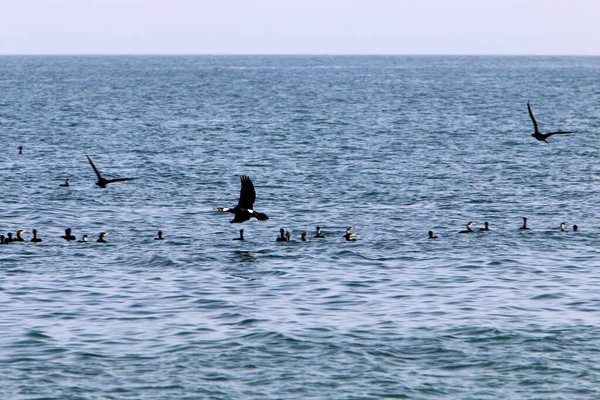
point(84, 239)
point(542, 136)
point(66, 184)
point(20, 149)
point(9, 238)
point(159, 236)
point(244, 209)
point(3, 240)
point(432, 235)
point(303, 236)
point(349, 236)
point(282, 236)
point(469, 226)
point(103, 182)
point(575, 228)
point(485, 228)
point(524, 227)
point(563, 226)
point(35, 239)
point(19, 233)
point(68, 236)
point(318, 234)
point(101, 237)
point(241, 235)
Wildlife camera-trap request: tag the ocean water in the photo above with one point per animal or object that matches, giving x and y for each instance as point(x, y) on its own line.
point(393, 146)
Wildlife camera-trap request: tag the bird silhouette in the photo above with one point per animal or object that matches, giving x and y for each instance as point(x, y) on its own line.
point(244, 209)
point(542, 136)
point(103, 182)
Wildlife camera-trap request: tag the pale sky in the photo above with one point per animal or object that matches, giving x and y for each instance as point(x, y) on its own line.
point(570, 27)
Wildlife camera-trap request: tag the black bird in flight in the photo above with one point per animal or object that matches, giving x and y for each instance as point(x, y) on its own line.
point(542, 136)
point(245, 207)
point(103, 182)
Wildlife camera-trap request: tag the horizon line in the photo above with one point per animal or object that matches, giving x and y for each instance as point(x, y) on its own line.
point(298, 54)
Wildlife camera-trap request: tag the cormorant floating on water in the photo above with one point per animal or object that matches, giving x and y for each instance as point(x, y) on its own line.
point(159, 236)
point(469, 226)
point(244, 209)
point(20, 149)
point(84, 239)
point(318, 234)
point(524, 227)
point(101, 237)
point(349, 236)
point(35, 239)
point(485, 228)
point(432, 235)
point(3, 240)
point(68, 236)
point(563, 226)
point(575, 228)
point(283, 236)
point(241, 235)
point(66, 184)
point(103, 182)
point(19, 233)
point(303, 236)
point(542, 136)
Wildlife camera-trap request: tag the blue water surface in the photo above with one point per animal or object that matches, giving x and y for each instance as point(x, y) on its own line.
point(393, 146)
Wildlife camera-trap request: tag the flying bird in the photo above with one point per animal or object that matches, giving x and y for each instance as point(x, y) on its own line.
point(542, 136)
point(244, 209)
point(103, 182)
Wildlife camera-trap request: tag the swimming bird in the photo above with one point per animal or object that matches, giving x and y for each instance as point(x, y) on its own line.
point(469, 226)
point(318, 234)
point(303, 236)
point(20, 149)
point(241, 235)
point(563, 226)
point(575, 228)
point(66, 184)
point(524, 227)
point(84, 239)
point(35, 239)
point(68, 237)
point(103, 182)
point(101, 237)
point(159, 236)
point(9, 238)
point(432, 235)
point(542, 136)
point(19, 233)
point(3, 240)
point(349, 236)
point(485, 228)
point(282, 236)
point(244, 209)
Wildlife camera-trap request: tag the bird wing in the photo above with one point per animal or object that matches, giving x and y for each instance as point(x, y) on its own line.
point(118, 180)
point(558, 133)
point(94, 167)
point(247, 193)
point(535, 126)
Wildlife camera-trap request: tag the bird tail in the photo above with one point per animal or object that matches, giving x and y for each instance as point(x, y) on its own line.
point(261, 216)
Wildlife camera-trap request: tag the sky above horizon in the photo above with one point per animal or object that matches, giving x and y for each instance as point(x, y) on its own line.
point(528, 27)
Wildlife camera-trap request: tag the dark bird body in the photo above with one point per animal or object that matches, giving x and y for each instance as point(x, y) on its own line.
point(244, 209)
point(542, 136)
point(103, 182)
point(35, 239)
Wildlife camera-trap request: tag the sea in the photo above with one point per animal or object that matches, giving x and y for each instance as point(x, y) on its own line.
point(393, 146)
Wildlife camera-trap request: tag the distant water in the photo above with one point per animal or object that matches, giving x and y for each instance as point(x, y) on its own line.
point(394, 146)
